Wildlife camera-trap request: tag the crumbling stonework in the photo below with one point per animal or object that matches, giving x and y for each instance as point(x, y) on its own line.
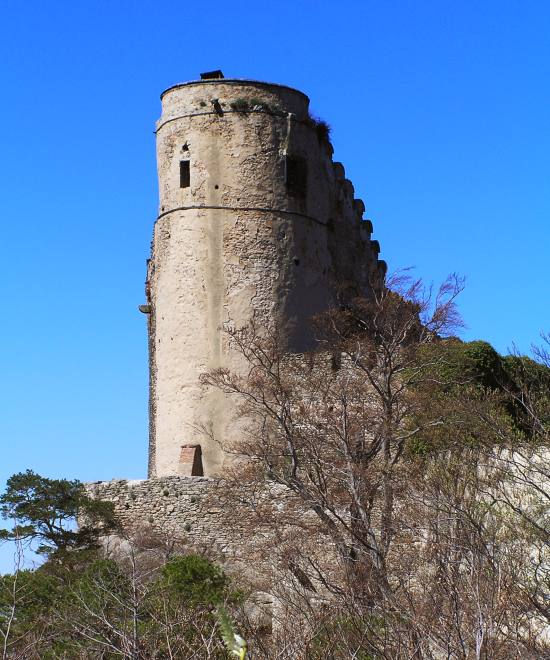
point(199, 511)
point(171, 504)
point(255, 222)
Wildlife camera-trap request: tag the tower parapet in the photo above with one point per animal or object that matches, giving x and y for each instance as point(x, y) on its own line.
point(255, 222)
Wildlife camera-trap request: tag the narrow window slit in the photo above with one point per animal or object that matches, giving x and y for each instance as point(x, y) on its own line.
point(185, 174)
point(296, 175)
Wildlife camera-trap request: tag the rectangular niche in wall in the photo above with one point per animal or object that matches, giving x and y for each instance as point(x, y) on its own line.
point(190, 464)
point(296, 175)
point(185, 174)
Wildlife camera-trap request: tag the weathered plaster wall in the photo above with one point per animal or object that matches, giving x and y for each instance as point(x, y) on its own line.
point(235, 245)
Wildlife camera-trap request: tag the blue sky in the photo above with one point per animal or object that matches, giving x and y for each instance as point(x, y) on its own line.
point(440, 115)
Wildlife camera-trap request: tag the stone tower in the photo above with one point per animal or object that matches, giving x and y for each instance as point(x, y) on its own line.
point(255, 221)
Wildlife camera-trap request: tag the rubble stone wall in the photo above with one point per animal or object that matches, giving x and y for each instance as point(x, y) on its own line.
point(184, 506)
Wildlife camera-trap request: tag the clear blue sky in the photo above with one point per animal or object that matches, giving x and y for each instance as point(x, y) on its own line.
point(440, 115)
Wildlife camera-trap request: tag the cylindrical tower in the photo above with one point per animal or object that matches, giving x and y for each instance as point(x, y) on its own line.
point(255, 221)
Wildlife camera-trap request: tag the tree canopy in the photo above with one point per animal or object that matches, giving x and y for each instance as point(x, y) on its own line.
point(47, 511)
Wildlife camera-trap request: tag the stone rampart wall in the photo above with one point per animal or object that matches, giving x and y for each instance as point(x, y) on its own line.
point(265, 535)
point(184, 506)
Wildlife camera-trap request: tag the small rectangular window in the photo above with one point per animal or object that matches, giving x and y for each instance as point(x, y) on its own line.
point(296, 175)
point(185, 174)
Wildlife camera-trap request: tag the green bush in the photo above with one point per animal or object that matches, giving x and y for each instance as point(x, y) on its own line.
point(259, 103)
point(241, 105)
point(196, 578)
point(320, 126)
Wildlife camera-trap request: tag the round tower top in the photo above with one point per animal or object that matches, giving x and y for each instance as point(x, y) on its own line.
point(220, 95)
point(234, 81)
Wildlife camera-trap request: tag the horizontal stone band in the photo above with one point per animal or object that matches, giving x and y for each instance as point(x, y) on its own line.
point(273, 113)
point(241, 208)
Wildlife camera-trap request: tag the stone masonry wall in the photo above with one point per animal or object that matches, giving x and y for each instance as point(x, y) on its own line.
point(185, 506)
